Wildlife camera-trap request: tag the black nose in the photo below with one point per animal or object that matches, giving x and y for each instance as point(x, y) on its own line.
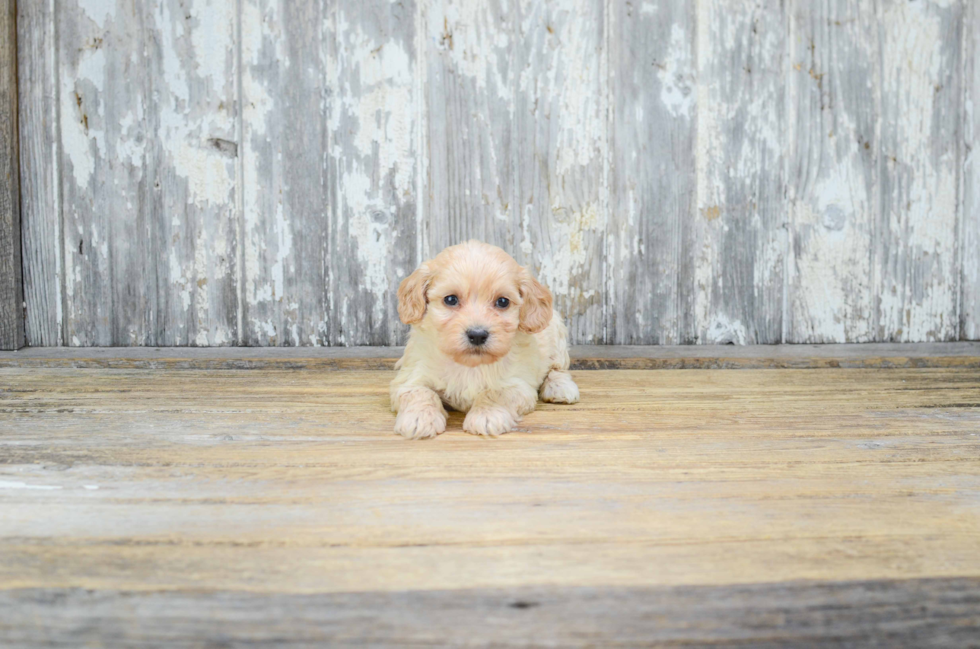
point(477, 336)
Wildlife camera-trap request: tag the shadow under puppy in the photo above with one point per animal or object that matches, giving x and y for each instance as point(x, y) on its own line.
point(485, 341)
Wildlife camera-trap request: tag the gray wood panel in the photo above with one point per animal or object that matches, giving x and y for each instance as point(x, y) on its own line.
point(147, 121)
point(469, 84)
point(374, 149)
point(740, 225)
point(11, 285)
point(286, 186)
point(651, 251)
point(916, 244)
point(190, 188)
point(560, 132)
point(677, 172)
point(583, 357)
point(833, 170)
point(101, 106)
point(329, 208)
point(969, 241)
point(39, 170)
point(895, 613)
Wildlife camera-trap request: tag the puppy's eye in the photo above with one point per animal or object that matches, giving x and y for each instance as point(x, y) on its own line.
point(502, 303)
point(450, 300)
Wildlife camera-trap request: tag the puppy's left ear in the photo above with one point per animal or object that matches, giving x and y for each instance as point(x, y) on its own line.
point(536, 308)
point(412, 299)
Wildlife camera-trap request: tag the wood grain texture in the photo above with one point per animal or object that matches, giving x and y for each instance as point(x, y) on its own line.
point(969, 241)
point(286, 95)
point(148, 129)
point(329, 210)
point(770, 489)
point(39, 173)
point(654, 97)
point(191, 128)
point(102, 104)
point(469, 83)
point(516, 132)
point(907, 613)
point(375, 151)
point(11, 284)
point(833, 171)
point(560, 127)
point(583, 357)
point(917, 274)
point(747, 172)
point(740, 226)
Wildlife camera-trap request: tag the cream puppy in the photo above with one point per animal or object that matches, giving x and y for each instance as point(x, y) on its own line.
point(485, 341)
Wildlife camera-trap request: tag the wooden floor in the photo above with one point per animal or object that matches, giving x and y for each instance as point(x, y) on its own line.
point(275, 508)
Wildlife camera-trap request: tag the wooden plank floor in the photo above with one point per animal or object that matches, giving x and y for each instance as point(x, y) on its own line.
point(275, 508)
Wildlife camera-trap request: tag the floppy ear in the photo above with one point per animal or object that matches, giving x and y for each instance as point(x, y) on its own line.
point(411, 295)
point(536, 307)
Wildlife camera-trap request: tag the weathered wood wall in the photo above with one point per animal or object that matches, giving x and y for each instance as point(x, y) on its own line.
point(264, 172)
point(11, 284)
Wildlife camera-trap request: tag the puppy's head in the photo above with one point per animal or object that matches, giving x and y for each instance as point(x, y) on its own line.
point(476, 297)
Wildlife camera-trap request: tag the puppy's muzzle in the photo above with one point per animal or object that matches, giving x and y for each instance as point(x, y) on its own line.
point(477, 336)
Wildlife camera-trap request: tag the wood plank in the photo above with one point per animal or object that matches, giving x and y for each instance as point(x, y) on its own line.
point(916, 241)
point(584, 357)
point(740, 236)
point(276, 508)
point(148, 133)
point(908, 613)
point(833, 171)
point(39, 174)
point(11, 282)
point(969, 240)
point(516, 130)
point(469, 83)
point(331, 204)
point(101, 105)
point(375, 131)
point(286, 171)
point(653, 73)
point(191, 124)
point(558, 223)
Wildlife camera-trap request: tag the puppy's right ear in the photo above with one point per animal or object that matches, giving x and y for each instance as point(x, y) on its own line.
point(412, 298)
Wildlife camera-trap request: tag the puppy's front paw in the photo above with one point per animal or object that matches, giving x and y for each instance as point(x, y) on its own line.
point(420, 423)
point(559, 387)
point(489, 421)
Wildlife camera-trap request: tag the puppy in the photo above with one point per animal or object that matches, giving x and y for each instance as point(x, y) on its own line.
point(485, 341)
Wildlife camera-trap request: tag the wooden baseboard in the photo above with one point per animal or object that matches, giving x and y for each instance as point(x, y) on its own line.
point(868, 355)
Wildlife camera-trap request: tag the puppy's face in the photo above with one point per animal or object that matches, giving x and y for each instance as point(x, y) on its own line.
point(476, 297)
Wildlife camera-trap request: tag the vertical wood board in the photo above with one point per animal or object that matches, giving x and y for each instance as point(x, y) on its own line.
point(146, 109)
point(375, 129)
point(40, 144)
point(11, 286)
point(969, 240)
point(559, 122)
point(285, 93)
point(650, 252)
point(917, 278)
point(832, 179)
point(740, 226)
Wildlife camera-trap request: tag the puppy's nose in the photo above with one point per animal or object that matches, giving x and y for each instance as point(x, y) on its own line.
point(477, 336)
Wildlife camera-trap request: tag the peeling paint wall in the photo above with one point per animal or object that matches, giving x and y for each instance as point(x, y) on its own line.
point(265, 172)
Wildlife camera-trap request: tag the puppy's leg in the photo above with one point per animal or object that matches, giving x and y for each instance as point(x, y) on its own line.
point(494, 414)
point(420, 414)
point(558, 387)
